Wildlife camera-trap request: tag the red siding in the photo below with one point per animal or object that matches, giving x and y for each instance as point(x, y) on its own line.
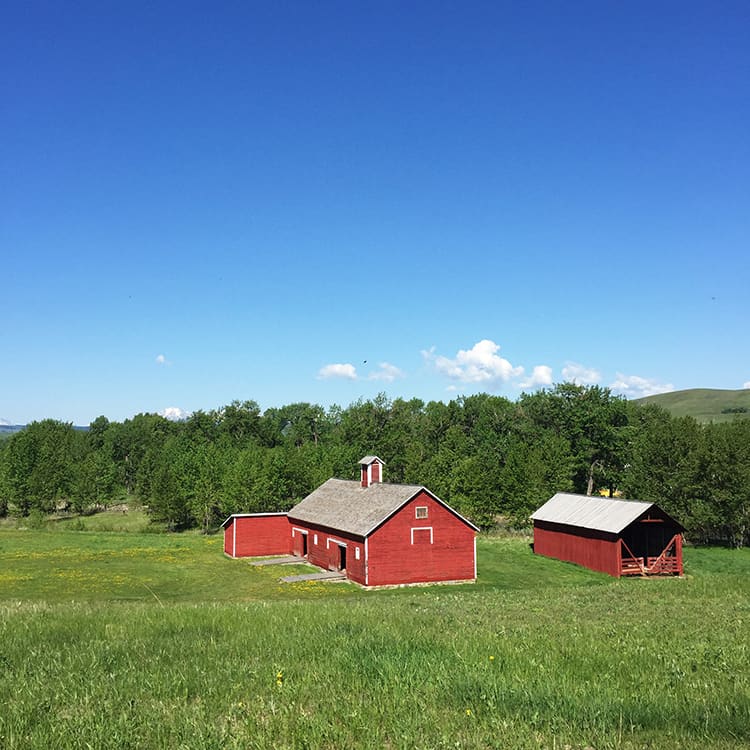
point(250, 536)
point(595, 551)
point(400, 550)
point(228, 535)
point(325, 553)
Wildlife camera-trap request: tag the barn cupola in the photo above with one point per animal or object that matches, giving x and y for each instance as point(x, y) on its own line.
point(372, 470)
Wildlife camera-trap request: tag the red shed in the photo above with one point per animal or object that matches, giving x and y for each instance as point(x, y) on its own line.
point(256, 534)
point(619, 537)
point(378, 534)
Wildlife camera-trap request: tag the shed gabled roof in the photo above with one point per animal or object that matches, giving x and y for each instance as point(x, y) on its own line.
point(596, 513)
point(367, 460)
point(346, 506)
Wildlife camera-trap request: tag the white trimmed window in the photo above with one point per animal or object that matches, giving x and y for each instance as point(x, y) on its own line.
point(421, 535)
point(356, 553)
point(315, 539)
point(421, 511)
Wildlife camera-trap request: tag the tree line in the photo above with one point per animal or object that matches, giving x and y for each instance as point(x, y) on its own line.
point(492, 459)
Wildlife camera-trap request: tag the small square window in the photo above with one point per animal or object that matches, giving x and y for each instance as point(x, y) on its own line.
point(421, 511)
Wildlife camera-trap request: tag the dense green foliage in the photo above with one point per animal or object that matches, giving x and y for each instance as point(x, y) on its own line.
point(492, 459)
point(126, 641)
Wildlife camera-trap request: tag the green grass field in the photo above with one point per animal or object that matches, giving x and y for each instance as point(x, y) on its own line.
point(704, 404)
point(131, 640)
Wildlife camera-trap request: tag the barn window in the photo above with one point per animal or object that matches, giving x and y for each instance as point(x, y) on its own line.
point(421, 511)
point(421, 536)
point(315, 539)
point(356, 553)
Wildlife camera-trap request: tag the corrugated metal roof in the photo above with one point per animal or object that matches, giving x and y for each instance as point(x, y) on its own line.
point(347, 506)
point(596, 513)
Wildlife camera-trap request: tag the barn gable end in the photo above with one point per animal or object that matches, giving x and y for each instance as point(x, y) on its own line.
point(424, 541)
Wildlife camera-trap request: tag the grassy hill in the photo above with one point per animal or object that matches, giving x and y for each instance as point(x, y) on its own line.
point(705, 404)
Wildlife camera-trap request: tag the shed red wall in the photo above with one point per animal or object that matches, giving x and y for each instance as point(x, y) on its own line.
point(250, 536)
point(395, 557)
point(325, 552)
point(228, 532)
point(597, 551)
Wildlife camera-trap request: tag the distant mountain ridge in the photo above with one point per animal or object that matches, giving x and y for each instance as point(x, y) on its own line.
point(9, 429)
point(704, 404)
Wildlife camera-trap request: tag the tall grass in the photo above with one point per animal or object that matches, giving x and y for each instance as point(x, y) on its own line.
point(545, 657)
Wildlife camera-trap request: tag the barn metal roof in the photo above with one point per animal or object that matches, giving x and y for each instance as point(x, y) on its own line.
point(596, 513)
point(347, 506)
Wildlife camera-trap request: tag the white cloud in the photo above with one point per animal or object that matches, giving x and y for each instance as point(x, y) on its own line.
point(162, 360)
point(174, 413)
point(746, 384)
point(387, 372)
point(480, 364)
point(581, 375)
point(345, 371)
point(4, 422)
point(541, 376)
point(634, 386)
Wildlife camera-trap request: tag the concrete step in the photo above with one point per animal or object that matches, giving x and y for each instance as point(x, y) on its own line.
point(284, 560)
point(328, 575)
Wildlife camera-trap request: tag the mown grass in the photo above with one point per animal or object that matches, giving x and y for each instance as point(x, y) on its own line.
point(537, 654)
point(77, 566)
point(164, 568)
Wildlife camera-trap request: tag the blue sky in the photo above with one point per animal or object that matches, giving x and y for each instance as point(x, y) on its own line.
point(319, 201)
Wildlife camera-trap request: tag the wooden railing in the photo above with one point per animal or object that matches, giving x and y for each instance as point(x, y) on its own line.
point(632, 566)
point(664, 564)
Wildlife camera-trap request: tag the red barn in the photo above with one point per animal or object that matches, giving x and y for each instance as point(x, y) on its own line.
point(378, 534)
point(619, 537)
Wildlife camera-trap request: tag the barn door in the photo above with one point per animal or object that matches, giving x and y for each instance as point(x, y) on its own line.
point(299, 543)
